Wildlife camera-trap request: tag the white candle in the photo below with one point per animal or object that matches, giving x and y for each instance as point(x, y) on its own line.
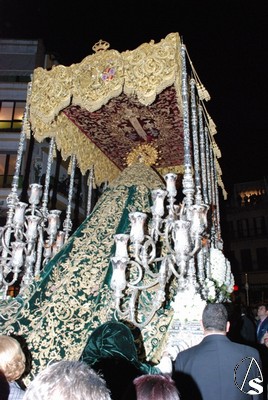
point(198, 218)
point(118, 280)
point(158, 196)
point(53, 222)
point(181, 237)
point(17, 254)
point(32, 225)
point(35, 193)
point(171, 183)
point(137, 220)
point(19, 215)
point(121, 241)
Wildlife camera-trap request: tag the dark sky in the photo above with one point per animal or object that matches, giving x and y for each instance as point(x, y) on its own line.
point(227, 41)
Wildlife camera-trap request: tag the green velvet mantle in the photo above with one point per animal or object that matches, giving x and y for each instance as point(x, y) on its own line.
point(62, 308)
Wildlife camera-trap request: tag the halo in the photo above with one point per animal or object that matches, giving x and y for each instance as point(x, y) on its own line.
point(143, 153)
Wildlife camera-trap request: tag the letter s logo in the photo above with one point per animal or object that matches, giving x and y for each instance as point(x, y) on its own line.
point(246, 369)
point(254, 383)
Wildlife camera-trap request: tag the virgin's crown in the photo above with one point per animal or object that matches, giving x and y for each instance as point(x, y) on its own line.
point(101, 45)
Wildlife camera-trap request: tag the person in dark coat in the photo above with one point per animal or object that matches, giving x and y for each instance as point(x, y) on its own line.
point(248, 327)
point(218, 368)
point(243, 326)
point(262, 324)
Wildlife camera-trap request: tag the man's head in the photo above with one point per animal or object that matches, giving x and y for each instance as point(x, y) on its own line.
point(215, 319)
point(262, 311)
point(65, 380)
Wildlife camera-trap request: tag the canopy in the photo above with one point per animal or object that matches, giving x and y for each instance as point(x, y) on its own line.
point(111, 111)
point(113, 107)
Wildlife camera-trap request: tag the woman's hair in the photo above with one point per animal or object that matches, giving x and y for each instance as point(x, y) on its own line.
point(67, 380)
point(156, 387)
point(12, 358)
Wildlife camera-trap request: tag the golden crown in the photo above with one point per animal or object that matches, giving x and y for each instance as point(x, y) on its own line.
point(101, 45)
point(143, 153)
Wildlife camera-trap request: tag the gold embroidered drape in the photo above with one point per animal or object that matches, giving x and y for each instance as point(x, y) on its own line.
point(134, 80)
point(58, 312)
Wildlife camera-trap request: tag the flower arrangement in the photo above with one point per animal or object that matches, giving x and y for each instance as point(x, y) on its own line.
point(188, 305)
point(215, 288)
point(219, 285)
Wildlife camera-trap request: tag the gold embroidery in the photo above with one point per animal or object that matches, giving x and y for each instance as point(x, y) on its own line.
point(142, 73)
point(59, 311)
point(145, 71)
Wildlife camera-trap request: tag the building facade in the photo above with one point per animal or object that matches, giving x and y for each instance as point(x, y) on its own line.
point(18, 59)
point(246, 239)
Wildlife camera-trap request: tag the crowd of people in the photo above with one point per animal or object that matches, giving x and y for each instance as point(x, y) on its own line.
point(229, 363)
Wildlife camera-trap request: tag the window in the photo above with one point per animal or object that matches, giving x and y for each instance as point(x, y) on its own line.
point(259, 226)
point(7, 169)
point(242, 227)
point(262, 258)
point(246, 259)
point(231, 231)
point(233, 260)
point(11, 114)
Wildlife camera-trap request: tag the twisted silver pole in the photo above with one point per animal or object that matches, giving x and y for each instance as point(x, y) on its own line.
point(67, 224)
point(90, 190)
point(187, 182)
point(44, 208)
point(207, 147)
point(203, 156)
point(45, 198)
point(194, 121)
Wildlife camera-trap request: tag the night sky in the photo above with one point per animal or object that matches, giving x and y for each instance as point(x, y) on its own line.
point(227, 41)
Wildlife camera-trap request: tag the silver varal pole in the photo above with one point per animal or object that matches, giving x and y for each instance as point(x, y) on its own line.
point(67, 224)
point(187, 182)
point(196, 154)
point(90, 189)
point(44, 208)
point(203, 156)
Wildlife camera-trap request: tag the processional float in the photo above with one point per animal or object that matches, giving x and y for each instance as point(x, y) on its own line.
point(150, 254)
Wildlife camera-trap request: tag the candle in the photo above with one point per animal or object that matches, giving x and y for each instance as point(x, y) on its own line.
point(32, 225)
point(198, 218)
point(181, 237)
point(35, 193)
point(137, 220)
point(19, 215)
point(118, 280)
point(53, 222)
point(121, 241)
point(17, 255)
point(171, 183)
point(158, 196)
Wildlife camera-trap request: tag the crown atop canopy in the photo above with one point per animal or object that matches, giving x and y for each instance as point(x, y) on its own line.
point(101, 45)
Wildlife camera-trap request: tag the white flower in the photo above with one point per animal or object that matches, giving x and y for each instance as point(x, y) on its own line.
point(188, 305)
point(209, 290)
point(221, 269)
point(218, 266)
